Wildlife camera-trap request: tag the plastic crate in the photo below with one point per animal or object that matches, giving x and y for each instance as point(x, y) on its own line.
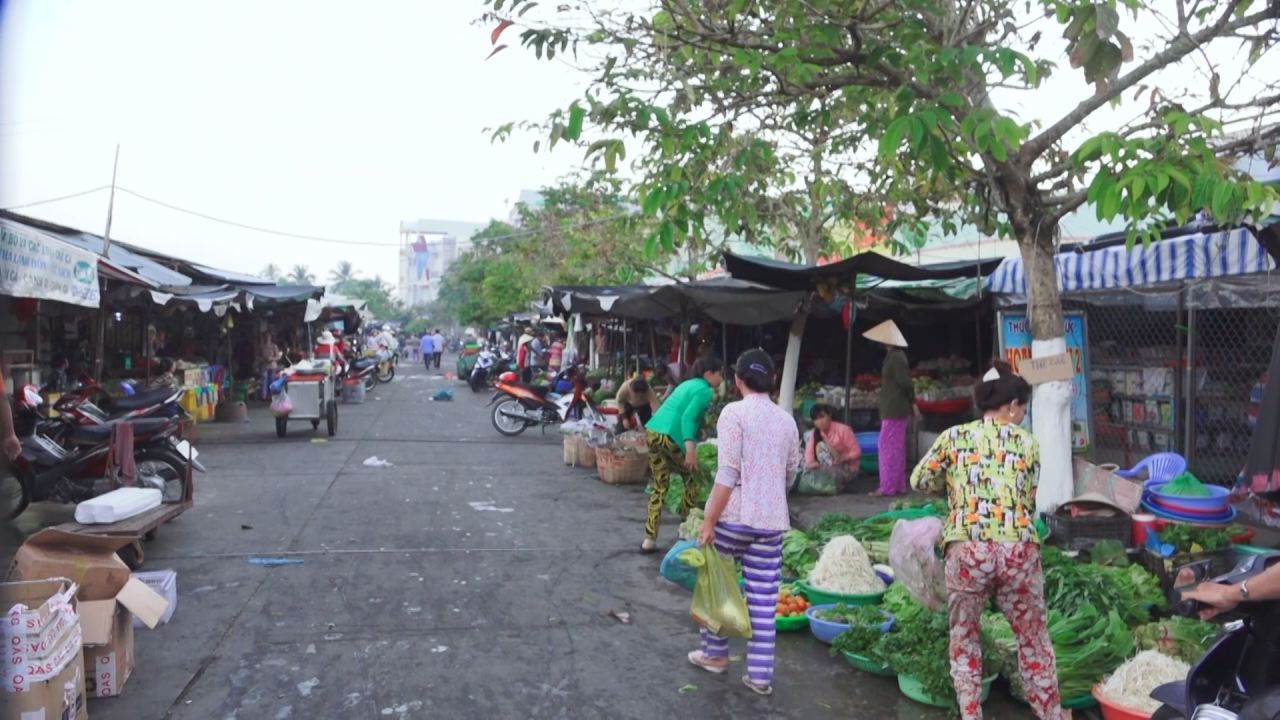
point(1078, 533)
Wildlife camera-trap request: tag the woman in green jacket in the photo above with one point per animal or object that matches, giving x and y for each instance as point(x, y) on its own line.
point(674, 427)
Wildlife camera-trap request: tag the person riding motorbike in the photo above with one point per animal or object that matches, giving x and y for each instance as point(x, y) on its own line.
point(1224, 597)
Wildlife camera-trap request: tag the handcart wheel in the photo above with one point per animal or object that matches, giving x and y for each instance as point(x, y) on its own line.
point(282, 426)
point(132, 554)
point(331, 417)
point(315, 424)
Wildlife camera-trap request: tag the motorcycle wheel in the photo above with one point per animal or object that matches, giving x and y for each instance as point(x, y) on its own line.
point(370, 382)
point(13, 496)
point(167, 468)
point(1167, 713)
point(389, 375)
point(504, 423)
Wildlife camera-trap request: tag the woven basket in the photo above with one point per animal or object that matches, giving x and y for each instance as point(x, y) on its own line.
point(578, 452)
point(621, 467)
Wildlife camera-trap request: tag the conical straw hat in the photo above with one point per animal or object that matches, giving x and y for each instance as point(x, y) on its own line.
point(887, 333)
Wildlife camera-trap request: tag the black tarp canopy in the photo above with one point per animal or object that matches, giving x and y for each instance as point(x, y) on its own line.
point(725, 300)
point(790, 276)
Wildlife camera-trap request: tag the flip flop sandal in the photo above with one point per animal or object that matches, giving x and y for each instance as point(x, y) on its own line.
point(765, 690)
point(698, 659)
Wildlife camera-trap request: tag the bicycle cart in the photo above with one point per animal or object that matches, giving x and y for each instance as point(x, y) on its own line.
point(312, 396)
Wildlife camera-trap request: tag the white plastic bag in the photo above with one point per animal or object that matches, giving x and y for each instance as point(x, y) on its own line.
point(281, 406)
point(913, 555)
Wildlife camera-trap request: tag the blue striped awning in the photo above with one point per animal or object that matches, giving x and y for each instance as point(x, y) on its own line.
point(1190, 257)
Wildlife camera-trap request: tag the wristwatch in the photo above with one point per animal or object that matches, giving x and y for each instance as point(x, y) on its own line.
point(1244, 590)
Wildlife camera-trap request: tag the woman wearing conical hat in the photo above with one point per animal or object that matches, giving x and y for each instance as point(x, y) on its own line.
point(897, 406)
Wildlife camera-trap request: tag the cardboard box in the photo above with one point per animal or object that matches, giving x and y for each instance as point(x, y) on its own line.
point(164, 582)
point(43, 670)
point(109, 597)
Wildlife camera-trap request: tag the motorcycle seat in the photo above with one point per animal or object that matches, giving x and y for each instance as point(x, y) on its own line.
point(363, 363)
point(142, 399)
point(539, 390)
point(94, 434)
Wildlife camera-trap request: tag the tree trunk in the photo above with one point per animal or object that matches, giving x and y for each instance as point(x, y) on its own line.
point(791, 362)
point(1051, 402)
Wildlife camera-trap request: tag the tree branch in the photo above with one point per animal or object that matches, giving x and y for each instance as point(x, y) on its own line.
point(1181, 46)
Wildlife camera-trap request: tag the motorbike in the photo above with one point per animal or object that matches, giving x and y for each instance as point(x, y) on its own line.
point(79, 402)
point(519, 406)
point(1238, 678)
point(61, 461)
point(364, 369)
point(387, 368)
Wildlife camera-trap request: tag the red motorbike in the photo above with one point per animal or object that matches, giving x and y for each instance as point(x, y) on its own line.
point(519, 406)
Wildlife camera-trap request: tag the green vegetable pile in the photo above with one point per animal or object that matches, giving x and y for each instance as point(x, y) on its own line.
point(703, 477)
point(691, 525)
point(1179, 637)
point(1109, 552)
point(1191, 539)
point(1088, 645)
point(1185, 485)
point(1129, 591)
point(853, 615)
point(800, 549)
point(920, 648)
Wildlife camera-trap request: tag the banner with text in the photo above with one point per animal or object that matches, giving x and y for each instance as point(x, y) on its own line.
point(36, 265)
point(1015, 347)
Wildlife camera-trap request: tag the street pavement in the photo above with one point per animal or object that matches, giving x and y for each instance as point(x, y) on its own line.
point(472, 578)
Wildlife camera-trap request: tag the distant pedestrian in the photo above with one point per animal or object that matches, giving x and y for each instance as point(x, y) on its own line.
point(555, 355)
point(747, 513)
point(897, 406)
point(437, 343)
point(427, 346)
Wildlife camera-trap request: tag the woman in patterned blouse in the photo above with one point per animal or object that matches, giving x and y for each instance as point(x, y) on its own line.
point(989, 469)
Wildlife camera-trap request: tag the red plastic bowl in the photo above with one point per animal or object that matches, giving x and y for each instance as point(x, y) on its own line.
point(1111, 711)
point(945, 407)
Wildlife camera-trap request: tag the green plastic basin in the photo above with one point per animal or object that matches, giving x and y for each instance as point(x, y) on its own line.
point(867, 665)
point(913, 690)
point(820, 597)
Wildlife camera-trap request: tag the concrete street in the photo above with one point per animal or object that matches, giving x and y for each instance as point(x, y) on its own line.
point(472, 579)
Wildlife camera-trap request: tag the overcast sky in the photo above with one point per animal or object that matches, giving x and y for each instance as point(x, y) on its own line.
point(317, 117)
point(334, 119)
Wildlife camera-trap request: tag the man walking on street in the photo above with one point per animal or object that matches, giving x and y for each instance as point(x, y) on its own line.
point(437, 341)
point(536, 355)
point(427, 346)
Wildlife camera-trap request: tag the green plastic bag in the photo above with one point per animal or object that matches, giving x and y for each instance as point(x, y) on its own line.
point(819, 481)
point(718, 604)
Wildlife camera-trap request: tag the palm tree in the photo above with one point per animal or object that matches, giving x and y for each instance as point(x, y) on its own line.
point(271, 272)
point(301, 275)
point(343, 274)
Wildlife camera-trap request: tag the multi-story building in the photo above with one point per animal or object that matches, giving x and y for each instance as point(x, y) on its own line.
point(427, 249)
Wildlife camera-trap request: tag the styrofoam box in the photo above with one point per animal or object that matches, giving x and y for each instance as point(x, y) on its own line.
point(117, 505)
point(164, 582)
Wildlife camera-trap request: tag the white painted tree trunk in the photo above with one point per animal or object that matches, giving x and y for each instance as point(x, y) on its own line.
point(787, 385)
point(1051, 423)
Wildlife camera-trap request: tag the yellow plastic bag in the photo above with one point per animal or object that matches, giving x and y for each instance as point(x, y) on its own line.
point(718, 604)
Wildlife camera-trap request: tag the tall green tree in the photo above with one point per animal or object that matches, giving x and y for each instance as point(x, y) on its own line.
point(579, 233)
point(301, 275)
point(271, 271)
point(934, 86)
point(379, 296)
point(342, 274)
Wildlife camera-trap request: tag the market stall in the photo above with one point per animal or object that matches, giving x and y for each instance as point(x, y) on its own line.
point(1171, 338)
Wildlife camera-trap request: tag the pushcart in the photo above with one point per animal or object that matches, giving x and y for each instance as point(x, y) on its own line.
point(313, 399)
point(131, 532)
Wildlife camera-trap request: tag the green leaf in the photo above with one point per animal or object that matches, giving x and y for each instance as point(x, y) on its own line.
point(952, 98)
point(527, 8)
point(1223, 206)
point(893, 135)
point(1108, 21)
point(573, 130)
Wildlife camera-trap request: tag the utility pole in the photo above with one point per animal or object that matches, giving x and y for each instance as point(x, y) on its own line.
point(99, 362)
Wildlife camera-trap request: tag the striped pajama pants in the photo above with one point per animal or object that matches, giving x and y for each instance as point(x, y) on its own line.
point(761, 554)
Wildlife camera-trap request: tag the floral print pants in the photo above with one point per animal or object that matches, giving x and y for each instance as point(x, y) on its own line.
point(1012, 572)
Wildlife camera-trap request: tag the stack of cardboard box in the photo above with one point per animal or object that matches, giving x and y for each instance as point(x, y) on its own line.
point(104, 599)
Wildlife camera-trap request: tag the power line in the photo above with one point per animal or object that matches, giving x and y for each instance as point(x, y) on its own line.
point(337, 241)
point(58, 199)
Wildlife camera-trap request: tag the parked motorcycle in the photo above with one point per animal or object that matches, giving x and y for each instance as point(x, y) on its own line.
point(1238, 678)
point(79, 402)
point(519, 406)
point(64, 462)
point(365, 370)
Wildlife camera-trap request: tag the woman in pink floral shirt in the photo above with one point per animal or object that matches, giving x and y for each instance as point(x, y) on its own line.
point(759, 452)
